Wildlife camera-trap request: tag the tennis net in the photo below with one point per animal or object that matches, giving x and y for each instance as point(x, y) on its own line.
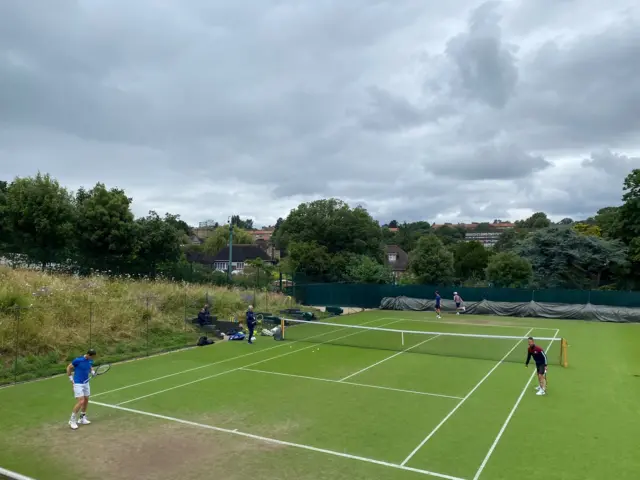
point(464, 345)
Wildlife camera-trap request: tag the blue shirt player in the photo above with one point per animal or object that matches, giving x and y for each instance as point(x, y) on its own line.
point(251, 322)
point(79, 372)
point(438, 300)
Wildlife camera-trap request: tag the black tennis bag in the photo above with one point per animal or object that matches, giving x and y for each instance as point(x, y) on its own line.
point(202, 341)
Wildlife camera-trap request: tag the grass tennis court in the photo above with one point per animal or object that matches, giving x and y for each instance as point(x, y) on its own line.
point(345, 407)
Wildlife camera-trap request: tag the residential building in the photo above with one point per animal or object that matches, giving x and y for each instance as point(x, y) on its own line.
point(240, 255)
point(265, 234)
point(397, 259)
point(488, 239)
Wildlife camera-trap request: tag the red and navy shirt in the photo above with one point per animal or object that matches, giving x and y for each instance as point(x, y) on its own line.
point(538, 355)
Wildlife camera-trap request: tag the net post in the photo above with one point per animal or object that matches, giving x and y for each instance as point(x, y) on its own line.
point(402, 334)
point(282, 328)
point(563, 349)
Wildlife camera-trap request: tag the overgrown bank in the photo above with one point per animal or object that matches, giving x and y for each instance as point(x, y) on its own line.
point(45, 319)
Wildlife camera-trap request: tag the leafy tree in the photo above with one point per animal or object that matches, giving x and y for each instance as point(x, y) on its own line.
point(5, 233)
point(258, 273)
point(431, 262)
point(393, 224)
point(408, 234)
point(450, 234)
point(608, 220)
point(483, 228)
point(534, 222)
point(363, 269)
point(220, 239)
point(39, 215)
point(308, 258)
point(586, 229)
point(247, 224)
point(562, 258)
point(629, 213)
point(105, 228)
point(470, 260)
point(508, 240)
point(508, 270)
point(158, 241)
point(333, 225)
point(566, 221)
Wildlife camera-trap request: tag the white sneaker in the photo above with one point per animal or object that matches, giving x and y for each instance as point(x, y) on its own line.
point(538, 388)
point(73, 424)
point(84, 421)
point(540, 392)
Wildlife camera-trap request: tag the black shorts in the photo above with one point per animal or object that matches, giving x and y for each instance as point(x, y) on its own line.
point(542, 369)
point(437, 306)
point(457, 304)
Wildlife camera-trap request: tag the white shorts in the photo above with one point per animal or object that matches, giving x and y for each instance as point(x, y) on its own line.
point(81, 390)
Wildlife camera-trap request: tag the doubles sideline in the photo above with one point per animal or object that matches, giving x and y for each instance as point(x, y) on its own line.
point(449, 415)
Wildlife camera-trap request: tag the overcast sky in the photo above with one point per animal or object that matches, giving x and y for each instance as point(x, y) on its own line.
point(416, 109)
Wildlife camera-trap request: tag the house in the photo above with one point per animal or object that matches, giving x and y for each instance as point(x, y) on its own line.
point(397, 259)
point(264, 234)
point(241, 254)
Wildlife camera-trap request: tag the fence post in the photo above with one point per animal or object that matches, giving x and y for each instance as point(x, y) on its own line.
point(147, 325)
point(90, 323)
point(15, 360)
point(533, 295)
point(589, 298)
point(184, 324)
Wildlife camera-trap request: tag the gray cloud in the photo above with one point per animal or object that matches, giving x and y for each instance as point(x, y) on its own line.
point(448, 112)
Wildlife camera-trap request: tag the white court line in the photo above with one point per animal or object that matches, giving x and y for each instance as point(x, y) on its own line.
point(388, 358)
point(506, 422)
point(470, 324)
point(444, 420)
point(13, 475)
point(244, 366)
point(280, 442)
point(380, 387)
point(209, 365)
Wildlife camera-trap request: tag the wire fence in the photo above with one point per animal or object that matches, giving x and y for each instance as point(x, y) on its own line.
point(39, 341)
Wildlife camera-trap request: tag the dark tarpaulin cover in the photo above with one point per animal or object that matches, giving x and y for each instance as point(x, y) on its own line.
point(601, 313)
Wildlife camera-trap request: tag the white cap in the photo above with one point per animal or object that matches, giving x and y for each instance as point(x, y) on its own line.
point(455, 293)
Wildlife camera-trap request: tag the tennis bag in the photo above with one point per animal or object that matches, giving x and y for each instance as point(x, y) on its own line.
point(202, 341)
point(237, 336)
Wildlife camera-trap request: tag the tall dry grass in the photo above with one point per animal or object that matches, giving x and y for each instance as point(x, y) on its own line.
point(47, 319)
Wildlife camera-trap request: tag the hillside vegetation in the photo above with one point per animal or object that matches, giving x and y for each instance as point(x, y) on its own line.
point(47, 319)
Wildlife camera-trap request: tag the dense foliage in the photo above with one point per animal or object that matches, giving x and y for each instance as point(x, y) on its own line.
point(324, 240)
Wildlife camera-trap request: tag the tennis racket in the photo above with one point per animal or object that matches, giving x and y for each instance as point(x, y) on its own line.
point(259, 317)
point(100, 370)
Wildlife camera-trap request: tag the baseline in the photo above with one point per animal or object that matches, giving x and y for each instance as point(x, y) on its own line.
point(279, 442)
point(506, 422)
point(379, 387)
point(444, 420)
point(199, 367)
point(14, 475)
point(244, 366)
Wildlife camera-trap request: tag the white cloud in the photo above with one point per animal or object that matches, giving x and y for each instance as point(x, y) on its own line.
point(455, 112)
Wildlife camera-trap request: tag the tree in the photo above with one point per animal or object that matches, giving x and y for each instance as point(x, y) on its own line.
point(534, 222)
point(483, 228)
point(5, 233)
point(393, 224)
point(258, 273)
point(566, 221)
point(158, 241)
point(562, 258)
point(334, 225)
point(308, 258)
point(430, 262)
point(408, 234)
point(105, 228)
point(508, 270)
point(220, 239)
point(629, 213)
point(586, 229)
point(363, 269)
point(508, 240)
point(450, 234)
point(470, 260)
point(39, 215)
point(247, 224)
point(608, 220)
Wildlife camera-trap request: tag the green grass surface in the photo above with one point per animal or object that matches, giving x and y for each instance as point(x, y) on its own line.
point(364, 427)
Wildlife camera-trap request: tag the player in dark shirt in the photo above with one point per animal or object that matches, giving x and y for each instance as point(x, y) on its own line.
point(438, 300)
point(538, 355)
point(251, 323)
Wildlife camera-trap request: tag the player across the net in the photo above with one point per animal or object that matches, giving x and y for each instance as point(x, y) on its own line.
point(464, 345)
